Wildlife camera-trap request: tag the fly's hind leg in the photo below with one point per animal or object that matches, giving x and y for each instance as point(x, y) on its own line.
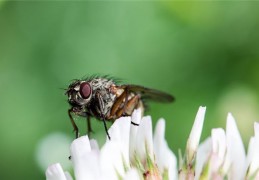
point(89, 127)
point(117, 103)
point(129, 107)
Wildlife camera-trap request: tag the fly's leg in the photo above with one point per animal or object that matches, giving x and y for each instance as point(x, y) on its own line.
point(129, 107)
point(100, 101)
point(135, 124)
point(106, 129)
point(117, 103)
point(89, 127)
point(73, 123)
point(136, 101)
point(74, 126)
point(126, 99)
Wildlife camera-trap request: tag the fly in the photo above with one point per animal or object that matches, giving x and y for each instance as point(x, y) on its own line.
point(104, 99)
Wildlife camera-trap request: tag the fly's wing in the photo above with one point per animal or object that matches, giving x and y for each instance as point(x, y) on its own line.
point(147, 93)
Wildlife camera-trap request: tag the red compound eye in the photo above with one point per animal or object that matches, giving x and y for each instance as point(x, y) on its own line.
point(85, 90)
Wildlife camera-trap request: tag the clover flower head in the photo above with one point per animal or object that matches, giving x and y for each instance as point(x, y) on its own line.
point(131, 153)
point(134, 152)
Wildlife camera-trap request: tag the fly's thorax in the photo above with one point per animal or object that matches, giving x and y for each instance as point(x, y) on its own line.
point(99, 84)
point(104, 89)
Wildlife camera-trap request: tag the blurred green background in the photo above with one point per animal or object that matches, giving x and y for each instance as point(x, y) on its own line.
point(204, 53)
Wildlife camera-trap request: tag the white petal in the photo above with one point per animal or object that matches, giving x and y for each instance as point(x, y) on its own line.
point(219, 147)
point(55, 172)
point(203, 154)
point(135, 118)
point(132, 174)
point(120, 132)
point(219, 142)
point(68, 176)
point(115, 153)
point(79, 148)
point(256, 129)
point(250, 151)
point(235, 150)
point(144, 141)
point(85, 161)
point(194, 137)
point(94, 145)
point(164, 157)
point(172, 170)
point(250, 154)
point(254, 151)
point(112, 160)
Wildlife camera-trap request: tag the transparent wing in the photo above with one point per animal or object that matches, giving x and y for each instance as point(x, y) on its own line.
point(147, 93)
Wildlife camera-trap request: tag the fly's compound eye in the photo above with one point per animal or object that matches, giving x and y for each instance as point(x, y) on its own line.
point(85, 90)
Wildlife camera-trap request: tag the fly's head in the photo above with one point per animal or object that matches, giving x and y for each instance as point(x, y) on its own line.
point(79, 95)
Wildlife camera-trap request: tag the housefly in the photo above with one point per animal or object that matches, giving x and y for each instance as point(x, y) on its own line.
point(106, 100)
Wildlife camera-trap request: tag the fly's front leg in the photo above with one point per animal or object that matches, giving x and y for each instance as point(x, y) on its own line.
point(73, 123)
point(101, 108)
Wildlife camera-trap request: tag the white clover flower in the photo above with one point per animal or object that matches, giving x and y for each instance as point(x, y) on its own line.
point(226, 154)
point(133, 153)
point(221, 156)
point(55, 172)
